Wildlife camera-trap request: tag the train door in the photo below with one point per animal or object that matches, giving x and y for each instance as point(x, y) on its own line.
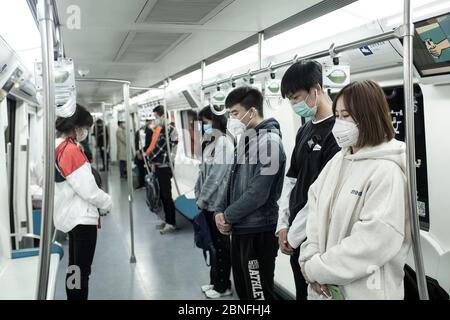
point(9, 143)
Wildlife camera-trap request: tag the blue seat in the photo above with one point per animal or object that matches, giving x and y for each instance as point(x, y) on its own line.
point(37, 215)
point(33, 252)
point(186, 207)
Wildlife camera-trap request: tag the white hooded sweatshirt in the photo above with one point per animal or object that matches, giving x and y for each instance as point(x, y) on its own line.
point(358, 229)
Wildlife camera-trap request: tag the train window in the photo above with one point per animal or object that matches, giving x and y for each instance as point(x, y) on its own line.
point(190, 131)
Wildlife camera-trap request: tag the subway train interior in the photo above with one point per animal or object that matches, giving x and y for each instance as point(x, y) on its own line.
point(122, 59)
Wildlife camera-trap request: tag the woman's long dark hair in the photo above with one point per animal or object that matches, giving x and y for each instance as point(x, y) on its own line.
point(81, 118)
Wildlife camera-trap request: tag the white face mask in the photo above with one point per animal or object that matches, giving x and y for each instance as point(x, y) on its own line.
point(346, 133)
point(236, 127)
point(83, 135)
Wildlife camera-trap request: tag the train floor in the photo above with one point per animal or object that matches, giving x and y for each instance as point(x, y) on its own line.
point(168, 267)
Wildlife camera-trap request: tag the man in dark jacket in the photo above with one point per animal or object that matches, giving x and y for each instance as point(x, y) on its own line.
point(249, 209)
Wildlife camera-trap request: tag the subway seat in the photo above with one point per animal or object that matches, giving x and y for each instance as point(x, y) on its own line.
point(19, 276)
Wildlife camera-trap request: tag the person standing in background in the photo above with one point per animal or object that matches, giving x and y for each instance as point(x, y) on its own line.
point(158, 156)
point(139, 141)
point(122, 149)
point(99, 131)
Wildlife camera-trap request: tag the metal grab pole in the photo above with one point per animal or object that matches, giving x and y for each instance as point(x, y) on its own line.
point(410, 148)
point(260, 49)
point(126, 100)
point(105, 155)
point(172, 167)
point(45, 16)
point(27, 187)
point(96, 145)
point(317, 55)
point(202, 93)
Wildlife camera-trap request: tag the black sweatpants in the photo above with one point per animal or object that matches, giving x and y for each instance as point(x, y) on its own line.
point(220, 263)
point(253, 260)
point(164, 176)
point(301, 287)
point(82, 242)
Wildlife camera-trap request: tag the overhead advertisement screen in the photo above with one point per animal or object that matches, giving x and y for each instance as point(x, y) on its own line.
point(432, 46)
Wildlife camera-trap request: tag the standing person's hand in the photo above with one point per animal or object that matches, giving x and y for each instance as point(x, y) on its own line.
point(152, 168)
point(321, 290)
point(223, 227)
point(285, 247)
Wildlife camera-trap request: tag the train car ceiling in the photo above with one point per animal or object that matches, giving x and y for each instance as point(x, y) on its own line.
point(146, 41)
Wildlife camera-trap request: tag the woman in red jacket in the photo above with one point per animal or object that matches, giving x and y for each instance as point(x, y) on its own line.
point(77, 200)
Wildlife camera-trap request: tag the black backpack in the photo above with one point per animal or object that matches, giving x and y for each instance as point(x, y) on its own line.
point(435, 291)
point(152, 193)
point(202, 236)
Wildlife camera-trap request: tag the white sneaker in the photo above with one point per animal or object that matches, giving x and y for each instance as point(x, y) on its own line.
point(160, 226)
point(207, 287)
point(213, 294)
point(168, 228)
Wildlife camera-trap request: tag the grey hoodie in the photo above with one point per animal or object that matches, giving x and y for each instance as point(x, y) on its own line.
point(214, 173)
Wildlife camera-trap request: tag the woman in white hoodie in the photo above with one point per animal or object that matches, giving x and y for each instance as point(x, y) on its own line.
point(358, 232)
point(77, 200)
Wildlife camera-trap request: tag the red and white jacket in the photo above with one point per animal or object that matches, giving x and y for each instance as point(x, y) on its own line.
point(78, 197)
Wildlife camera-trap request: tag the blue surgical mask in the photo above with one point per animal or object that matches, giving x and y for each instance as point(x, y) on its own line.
point(305, 111)
point(158, 122)
point(208, 129)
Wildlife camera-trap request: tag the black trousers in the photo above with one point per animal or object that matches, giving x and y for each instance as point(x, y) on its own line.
point(164, 176)
point(221, 262)
point(253, 261)
point(301, 287)
point(82, 242)
point(123, 168)
point(142, 173)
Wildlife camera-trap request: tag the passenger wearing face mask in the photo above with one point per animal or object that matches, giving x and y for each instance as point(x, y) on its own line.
point(160, 160)
point(77, 198)
point(217, 160)
point(122, 149)
point(314, 147)
point(249, 209)
point(139, 142)
point(358, 230)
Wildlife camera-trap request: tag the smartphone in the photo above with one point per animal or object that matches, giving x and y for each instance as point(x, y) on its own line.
point(335, 292)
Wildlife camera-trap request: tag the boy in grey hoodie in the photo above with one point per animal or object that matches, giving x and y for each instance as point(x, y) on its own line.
point(249, 209)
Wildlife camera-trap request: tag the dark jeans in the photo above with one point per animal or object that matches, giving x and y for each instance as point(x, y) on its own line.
point(253, 260)
point(221, 262)
point(301, 287)
point(123, 168)
point(164, 176)
point(82, 242)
